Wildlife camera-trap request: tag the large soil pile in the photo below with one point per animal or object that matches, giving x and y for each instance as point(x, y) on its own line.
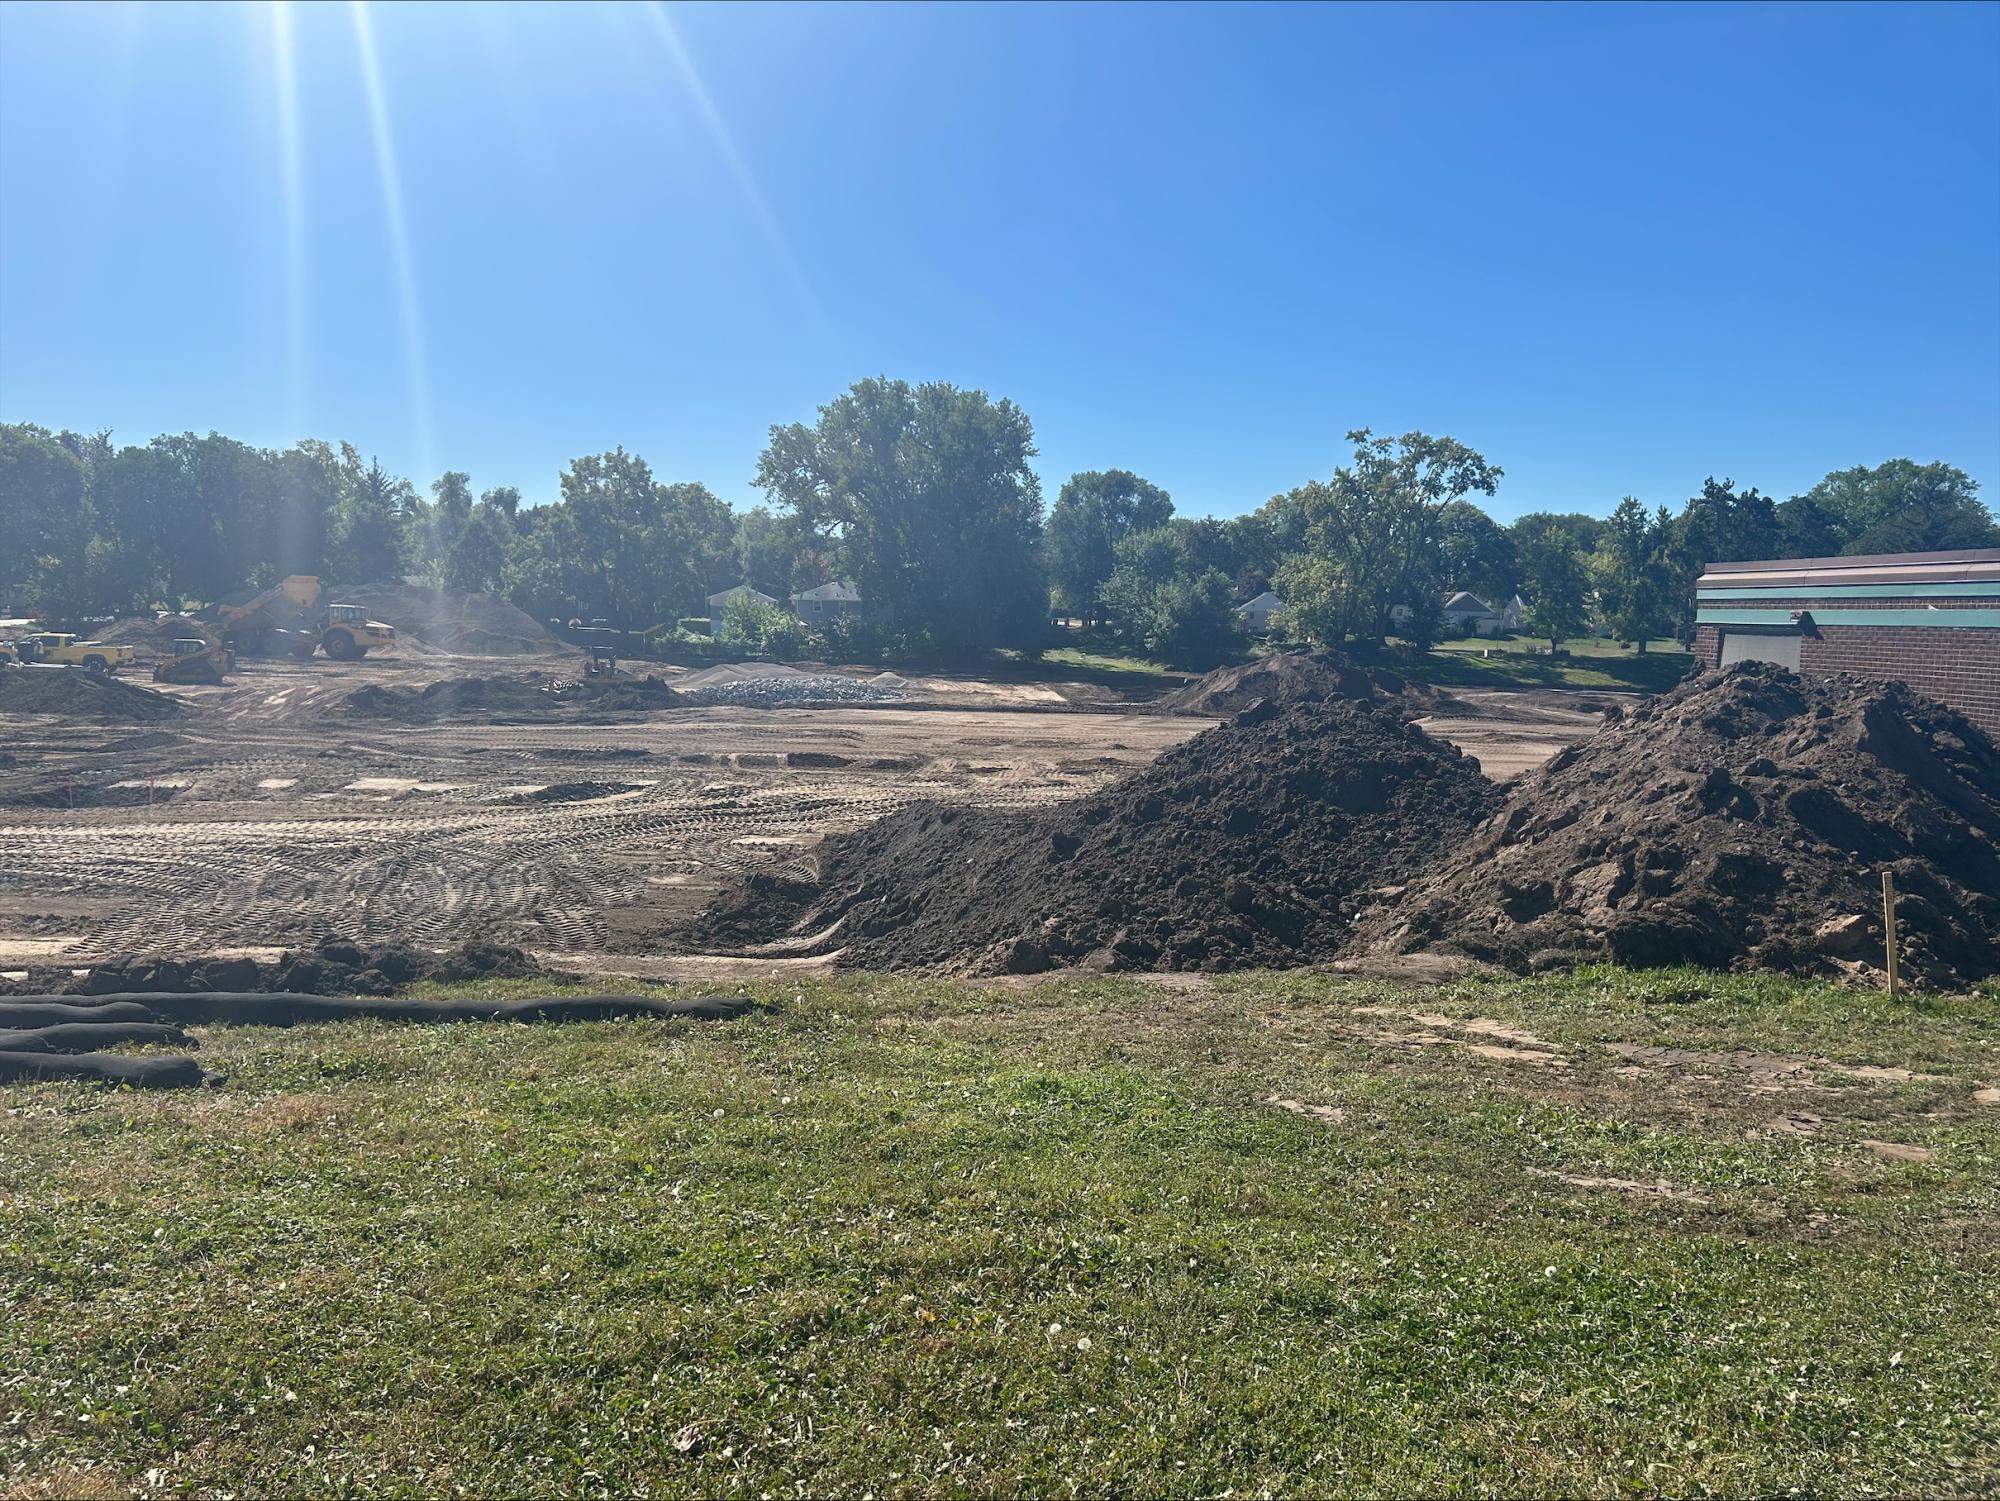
point(1301, 677)
point(476, 625)
point(1743, 820)
point(1251, 844)
point(151, 636)
point(76, 693)
point(504, 700)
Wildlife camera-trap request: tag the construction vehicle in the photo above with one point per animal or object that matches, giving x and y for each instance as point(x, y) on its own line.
point(64, 649)
point(602, 662)
point(288, 617)
point(195, 660)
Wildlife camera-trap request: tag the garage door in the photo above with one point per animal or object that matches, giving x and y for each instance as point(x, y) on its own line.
point(1743, 646)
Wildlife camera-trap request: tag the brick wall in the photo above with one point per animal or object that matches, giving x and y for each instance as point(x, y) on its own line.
point(1958, 667)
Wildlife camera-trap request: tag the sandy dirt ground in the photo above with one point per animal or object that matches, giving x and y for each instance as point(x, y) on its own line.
point(267, 816)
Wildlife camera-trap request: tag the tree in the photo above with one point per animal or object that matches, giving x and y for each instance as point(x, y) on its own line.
point(1475, 553)
point(477, 562)
point(639, 550)
point(1095, 511)
point(441, 523)
point(766, 547)
point(1634, 581)
point(1903, 506)
point(1372, 533)
point(927, 492)
point(369, 532)
point(1720, 525)
point(43, 520)
point(1556, 585)
point(1188, 622)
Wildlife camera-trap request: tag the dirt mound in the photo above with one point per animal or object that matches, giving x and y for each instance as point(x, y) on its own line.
point(1251, 844)
point(1742, 821)
point(152, 636)
point(1300, 677)
point(473, 625)
point(500, 700)
point(76, 693)
point(331, 967)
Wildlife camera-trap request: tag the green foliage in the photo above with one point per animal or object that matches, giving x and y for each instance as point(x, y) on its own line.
point(1555, 582)
point(763, 629)
point(1092, 515)
point(1633, 573)
point(929, 497)
point(1372, 535)
point(1900, 506)
point(44, 521)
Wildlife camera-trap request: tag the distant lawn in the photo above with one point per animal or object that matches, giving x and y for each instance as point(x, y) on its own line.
point(1517, 661)
point(1286, 1235)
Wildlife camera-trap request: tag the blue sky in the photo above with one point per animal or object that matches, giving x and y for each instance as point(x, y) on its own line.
point(1614, 248)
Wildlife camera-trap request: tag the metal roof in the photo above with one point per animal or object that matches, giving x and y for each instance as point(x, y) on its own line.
point(1931, 573)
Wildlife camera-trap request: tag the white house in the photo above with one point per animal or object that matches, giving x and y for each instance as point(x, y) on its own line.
point(1514, 614)
point(826, 602)
point(1468, 612)
point(1256, 614)
point(718, 604)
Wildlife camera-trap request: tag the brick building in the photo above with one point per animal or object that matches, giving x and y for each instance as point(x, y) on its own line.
point(1929, 619)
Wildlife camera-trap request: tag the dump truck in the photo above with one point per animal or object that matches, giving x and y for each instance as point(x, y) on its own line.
point(288, 617)
point(63, 648)
point(195, 659)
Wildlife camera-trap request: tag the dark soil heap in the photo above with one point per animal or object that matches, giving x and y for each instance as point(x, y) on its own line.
point(333, 966)
point(1251, 844)
point(504, 699)
point(76, 693)
point(479, 625)
point(1300, 677)
point(1742, 821)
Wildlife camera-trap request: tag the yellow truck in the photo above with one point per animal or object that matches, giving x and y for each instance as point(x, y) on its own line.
point(63, 648)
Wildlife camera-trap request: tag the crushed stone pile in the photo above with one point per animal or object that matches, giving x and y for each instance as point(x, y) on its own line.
point(1742, 821)
point(1301, 677)
point(499, 700)
point(473, 625)
point(76, 693)
point(1251, 844)
point(772, 685)
point(333, 966)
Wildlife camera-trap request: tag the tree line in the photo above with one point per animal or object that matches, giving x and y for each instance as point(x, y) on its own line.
point(922, 496)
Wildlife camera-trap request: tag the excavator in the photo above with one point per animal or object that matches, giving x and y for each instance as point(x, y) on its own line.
point(288, 617)
point(196, 659)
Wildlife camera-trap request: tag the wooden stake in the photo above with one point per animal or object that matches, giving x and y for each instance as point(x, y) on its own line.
point(1889, 926)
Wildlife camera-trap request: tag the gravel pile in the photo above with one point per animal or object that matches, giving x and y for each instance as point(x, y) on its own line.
point(1251, 844)
point(758, 685)
point(1742, 821)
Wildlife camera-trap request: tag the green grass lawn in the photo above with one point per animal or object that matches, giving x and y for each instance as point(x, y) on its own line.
point(1289, 1235)
point(1516, 661)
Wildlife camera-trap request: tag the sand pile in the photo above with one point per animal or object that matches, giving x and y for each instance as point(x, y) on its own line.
point(1302, 677)
point(476, 625)
point(333, 966)
point(504, 700)
point(1251, 844)
point(1742, 821)
point(152, 636)
point(76, 693)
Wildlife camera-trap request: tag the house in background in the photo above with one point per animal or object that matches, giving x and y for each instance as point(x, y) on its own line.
point(1514, 615)
point(1256, 614)
point(718, 604)
point(814, 606)
point(1468, 612)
